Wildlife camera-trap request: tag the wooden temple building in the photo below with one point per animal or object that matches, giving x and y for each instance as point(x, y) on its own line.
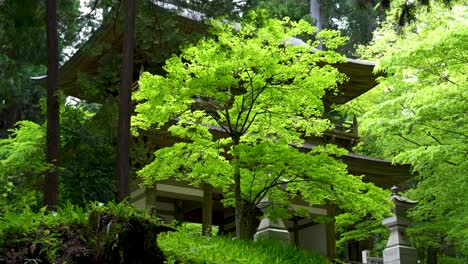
point(82, 77)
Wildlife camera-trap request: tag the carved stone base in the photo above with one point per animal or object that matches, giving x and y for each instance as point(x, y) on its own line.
point(400, 255)
point(274, 234)
point(272, 229)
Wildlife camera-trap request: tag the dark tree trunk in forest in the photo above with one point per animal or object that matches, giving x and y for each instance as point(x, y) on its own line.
point(53, 125)
point(123, 138)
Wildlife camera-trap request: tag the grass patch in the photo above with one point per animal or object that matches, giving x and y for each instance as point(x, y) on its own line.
point(188, 246)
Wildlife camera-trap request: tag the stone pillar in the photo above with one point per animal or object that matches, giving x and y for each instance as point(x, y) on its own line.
point(271, 229)
point(399, 249)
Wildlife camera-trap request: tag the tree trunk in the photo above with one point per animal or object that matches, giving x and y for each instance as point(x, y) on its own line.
point(237, 191)
point(207, 210)
point(250, 222)
point(53, 125)
point(123, 137)
point(316, 14)
point(246, 216)
point(237, 194)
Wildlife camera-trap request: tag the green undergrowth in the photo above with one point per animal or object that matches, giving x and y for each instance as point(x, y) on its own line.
point(119, 233)
point(111, 233)
point(188, 246)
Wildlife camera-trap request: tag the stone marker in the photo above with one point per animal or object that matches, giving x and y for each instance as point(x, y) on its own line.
point(271, 229)
point(399, 249)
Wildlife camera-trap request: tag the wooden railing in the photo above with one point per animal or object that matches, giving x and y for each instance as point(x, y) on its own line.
point(348, 127)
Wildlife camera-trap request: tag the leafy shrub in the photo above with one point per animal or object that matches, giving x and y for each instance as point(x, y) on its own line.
point(98, 233)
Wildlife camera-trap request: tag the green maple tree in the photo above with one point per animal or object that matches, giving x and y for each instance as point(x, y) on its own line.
point(241, 102)
point(417, 115)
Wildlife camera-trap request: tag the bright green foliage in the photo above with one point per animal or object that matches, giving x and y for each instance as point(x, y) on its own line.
point(263, 95)
point(25, 144)
point(419, 117)
point(188, 246)
point(22, 159)
point(87, 167)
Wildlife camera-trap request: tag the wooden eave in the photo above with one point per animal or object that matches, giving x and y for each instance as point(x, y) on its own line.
point(360, 73)
point(361, 80)
point(382, 173)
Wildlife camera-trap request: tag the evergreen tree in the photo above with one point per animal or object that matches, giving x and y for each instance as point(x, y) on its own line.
point(51, 184)
point(23, 54)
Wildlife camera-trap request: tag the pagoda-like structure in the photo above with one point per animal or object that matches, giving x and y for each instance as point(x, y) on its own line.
point(81, 77)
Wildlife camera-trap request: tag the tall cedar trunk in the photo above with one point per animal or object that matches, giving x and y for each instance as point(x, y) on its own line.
point(315, 13)
point(123, 138)
point(53, 125)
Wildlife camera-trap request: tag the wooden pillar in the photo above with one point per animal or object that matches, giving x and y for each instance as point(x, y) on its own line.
point(355, 126)
point(330, 232)
point(296, 232)
point(221, 230)
point(178, 211)
point(207, 210)
point(150, 194)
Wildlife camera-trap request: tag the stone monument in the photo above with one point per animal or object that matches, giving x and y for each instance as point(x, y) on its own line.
point(271, 229)
point(399, 249)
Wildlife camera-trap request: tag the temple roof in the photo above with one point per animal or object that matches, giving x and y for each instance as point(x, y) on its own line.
point(360, 73)
point(361, 79)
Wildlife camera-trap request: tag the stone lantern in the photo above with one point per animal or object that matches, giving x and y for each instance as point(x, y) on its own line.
point(271, 229)
point(399, 249)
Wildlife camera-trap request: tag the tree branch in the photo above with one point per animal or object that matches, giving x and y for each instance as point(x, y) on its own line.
point(437, 140)
point(409, 140)
point(442, 129)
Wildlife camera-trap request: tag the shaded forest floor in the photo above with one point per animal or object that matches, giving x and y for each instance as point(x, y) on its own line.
point(118, 233)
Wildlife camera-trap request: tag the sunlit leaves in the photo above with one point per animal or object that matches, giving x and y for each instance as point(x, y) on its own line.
point(241, 101)
point(420, 117)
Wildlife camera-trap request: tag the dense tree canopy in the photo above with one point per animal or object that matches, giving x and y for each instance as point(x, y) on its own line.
point(417, 115)
point(263, 95)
